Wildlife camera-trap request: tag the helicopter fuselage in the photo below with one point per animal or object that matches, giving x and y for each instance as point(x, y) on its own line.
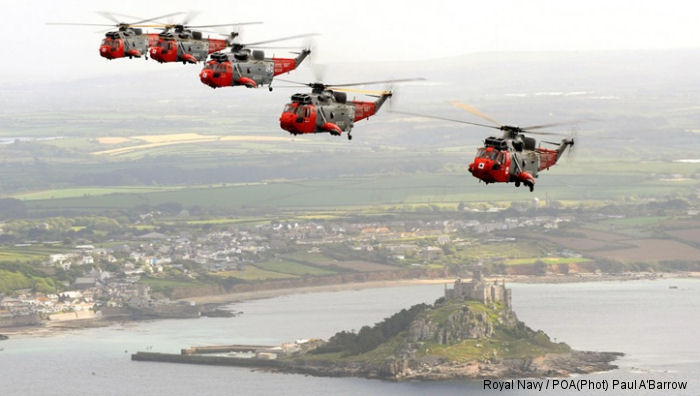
point(185, 46)
point(505, 160)
point(326, 111)
point(251, 70)
point(127, 43)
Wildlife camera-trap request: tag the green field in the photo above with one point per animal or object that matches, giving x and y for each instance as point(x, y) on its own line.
point(28, 253)
point(441, 190)
point(87, 192)
point(291, 267)
point(251, 273)
point(168, 285)
point(548, 260)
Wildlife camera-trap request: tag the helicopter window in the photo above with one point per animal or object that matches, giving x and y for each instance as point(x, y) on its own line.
point(332, 115)
point(501, 157)
point(289, 108)
point(307, 112)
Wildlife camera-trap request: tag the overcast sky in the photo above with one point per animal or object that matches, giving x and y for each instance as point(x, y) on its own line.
point(351, 30)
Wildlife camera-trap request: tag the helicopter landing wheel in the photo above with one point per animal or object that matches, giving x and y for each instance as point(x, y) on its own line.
point(270, 88)
point(517, 184)
point(349, 136)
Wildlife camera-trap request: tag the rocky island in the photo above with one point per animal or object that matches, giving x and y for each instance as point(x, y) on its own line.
point(470, 333)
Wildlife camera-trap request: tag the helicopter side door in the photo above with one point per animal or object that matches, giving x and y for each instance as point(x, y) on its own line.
point(531, 162)
point(341, 115)
point(306, 119)
point(268, 73)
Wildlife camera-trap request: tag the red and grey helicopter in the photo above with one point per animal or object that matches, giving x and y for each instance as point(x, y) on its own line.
point(512, 157)
point(128, 41)
point(327, 110)
point(179, 43)
point(249, 68)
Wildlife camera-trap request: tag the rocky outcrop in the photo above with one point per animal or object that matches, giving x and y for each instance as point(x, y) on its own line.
point(455, 338)
point(461, 324)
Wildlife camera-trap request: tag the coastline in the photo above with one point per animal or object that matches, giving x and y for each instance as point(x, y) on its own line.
point(545, 279)
point(53, 328)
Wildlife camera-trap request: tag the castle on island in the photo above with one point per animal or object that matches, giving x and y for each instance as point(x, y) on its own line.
point(480, 289)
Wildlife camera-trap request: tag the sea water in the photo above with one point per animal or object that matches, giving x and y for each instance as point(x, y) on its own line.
point(655, 323)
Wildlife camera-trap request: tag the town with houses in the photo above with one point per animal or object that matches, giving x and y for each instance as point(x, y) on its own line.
point(112, 278)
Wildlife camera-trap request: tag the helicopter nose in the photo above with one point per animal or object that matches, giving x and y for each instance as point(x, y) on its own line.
point(480, 168)
point(287, 121)
point(155, 53)
point(105, 52)
point(207, 78)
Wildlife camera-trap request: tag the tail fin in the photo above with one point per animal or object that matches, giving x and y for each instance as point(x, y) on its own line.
point(565, 143)
point(304, 53)
point(379, 102)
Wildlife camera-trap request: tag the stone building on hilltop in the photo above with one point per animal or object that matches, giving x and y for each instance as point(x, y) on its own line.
point(481, 290)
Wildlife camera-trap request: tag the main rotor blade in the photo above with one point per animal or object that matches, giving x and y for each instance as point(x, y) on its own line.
point(541, 133)
point(109, 16)
point(475, 111)
point(158, 17)
point(362, 91)
point(225, 24)
point(443, 119)
point(291, 82)
point(282, 48)
point(78, 24)
point(190, 16)
point(551, 125)
point(378, 82)
point(281, 39)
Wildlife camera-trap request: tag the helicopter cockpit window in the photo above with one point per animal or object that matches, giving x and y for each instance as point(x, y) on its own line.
point(289, 108)
point(307, 111)
point(219, 68)
point(501, 158)
point(114, 44)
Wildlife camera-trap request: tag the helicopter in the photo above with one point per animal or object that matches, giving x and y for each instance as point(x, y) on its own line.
point(249, 68)
point(179, 43)
point(327, 110)
point(128, 41)
point(512, 157)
